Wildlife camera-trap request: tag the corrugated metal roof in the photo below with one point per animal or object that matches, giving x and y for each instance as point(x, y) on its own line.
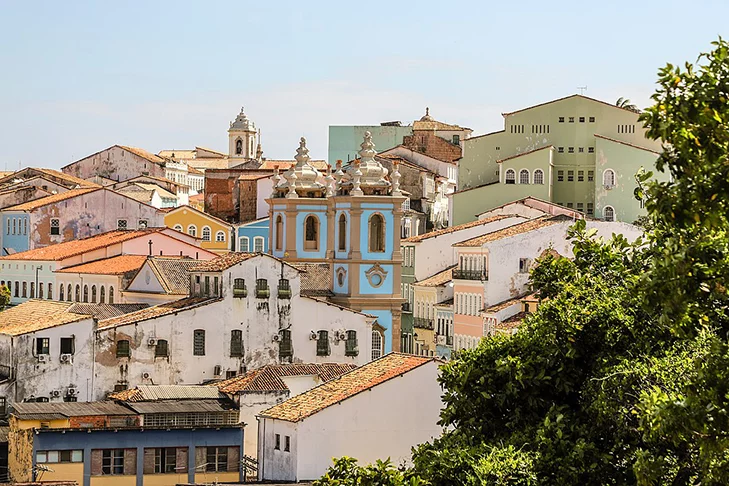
point(183, 406)
point(176, 392)
point(70, 409)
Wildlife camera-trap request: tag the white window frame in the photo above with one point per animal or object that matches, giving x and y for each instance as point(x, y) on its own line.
point(541, 176)
point(210, 233)
point(194, 230)
point(604, 213)
point(506, 175)
point(247, 241)
point(528, 176)
point(256, 241)
point(612, 174)
point(126, 224)
point(220, 236)
point(178, 227)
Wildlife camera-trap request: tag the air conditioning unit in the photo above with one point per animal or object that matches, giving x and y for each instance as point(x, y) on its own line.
point(276, 338)
point(145, 376)
point(72, 392)
point(312, 336)
point(66, 358)
point(217, 370)
point(55, 393)
point(43, 358)
point(152, 342)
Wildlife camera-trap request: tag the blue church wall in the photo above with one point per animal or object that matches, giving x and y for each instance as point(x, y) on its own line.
point(252, 230)
point(384, 318)
point(15, 236)
point(341, 289)
point(337, 253)
point(386, 211)
point(67, 439)
point(386, 287)
point(276, 211)
point(321, 213)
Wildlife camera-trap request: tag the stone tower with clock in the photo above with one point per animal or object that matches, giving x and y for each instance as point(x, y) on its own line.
point(350, 220)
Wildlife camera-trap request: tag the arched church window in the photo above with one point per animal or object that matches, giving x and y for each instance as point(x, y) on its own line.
point(238, 147)
point(279, 232)
point(342, 232)
point(377, 233)
point(311, 233)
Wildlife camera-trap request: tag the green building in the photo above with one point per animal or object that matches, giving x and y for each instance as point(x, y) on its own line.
point(576, 151)
point(344, 140)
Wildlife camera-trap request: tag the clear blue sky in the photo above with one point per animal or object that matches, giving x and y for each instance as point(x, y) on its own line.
point(80, 76)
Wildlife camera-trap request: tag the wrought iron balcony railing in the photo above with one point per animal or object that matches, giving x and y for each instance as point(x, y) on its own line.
point(470, 274)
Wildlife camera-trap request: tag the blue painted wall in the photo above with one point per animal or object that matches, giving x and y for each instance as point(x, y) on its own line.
point(385, 288)
point(50, 439)
point(259, 228)
point(319, 211)
point(18, 240)
point(341, 289)
point(384, 318)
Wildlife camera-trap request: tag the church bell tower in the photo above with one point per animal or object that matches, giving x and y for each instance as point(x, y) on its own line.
point(242, 138)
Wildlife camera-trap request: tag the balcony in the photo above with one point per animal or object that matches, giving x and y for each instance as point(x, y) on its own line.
point(470, 275)
point(423, 323)
point(406, 307)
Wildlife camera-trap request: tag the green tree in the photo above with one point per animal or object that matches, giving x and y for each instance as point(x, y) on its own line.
point(625, 103)
point(4, 296)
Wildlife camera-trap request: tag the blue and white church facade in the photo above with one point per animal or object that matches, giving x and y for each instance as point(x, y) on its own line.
point(350, 220)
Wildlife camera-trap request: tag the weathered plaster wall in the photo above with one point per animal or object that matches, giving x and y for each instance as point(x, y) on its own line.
point(114, 163)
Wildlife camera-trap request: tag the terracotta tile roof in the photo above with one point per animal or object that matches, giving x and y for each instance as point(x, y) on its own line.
point(154, 187)
point(268, 378)
point(435, 125)
point(566, 98)
point(197, 197)
point(198, 147)
point(223, 262)
point(157, 311)
point(30, 172)
point(144, 154)
point(136, 194)
point(67, 177)
point(510, 231)
point(445, 303)
point(105, 311)
point(522, 154)
point(194, 171)
point(453, 229)
point(179, 154)
point(68, 249)
point(346, 386)
point(116, 265)
point(503, 305)
point(512, 323)
point(626, 143)
point(440, 278)
point(316, 279)
point(155, 178)
point(52, 199)
point(35, 315)
point(173, 273)
point(253, 177)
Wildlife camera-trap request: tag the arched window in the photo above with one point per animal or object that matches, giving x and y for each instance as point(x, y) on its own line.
point(608, 178)
point(206, 233)
point(50, 291)
point(244, 246)
point(192, 230)
point(258, 244)
point(377, 233)
point(343, 232)
point(102, 296)
point(68, 295)
point(279, 232)
point(523, 176)
point(220, 236)
point(78, 293)
point(609, 213)
point(86, 293)
point(311, 233)
point(178, 227)
point(376, 345)
point(539, 176)
point(111, 295)
point(40, 290)
point(93, 294)
point(60, 294)
point(238, 147)
point(510, 177)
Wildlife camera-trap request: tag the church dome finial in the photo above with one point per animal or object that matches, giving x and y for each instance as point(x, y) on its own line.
point(370, 173)
point(302, 177)
point(242, 122)
point(427, 116)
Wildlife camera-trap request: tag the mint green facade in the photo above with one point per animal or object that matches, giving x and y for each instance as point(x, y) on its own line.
point(344, 141)
point(570, 141)
point(407, 279)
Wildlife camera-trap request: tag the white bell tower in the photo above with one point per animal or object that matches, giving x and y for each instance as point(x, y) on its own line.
point(242, 138)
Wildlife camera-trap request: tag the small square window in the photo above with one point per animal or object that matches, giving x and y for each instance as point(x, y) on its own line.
point(498, 148)
point(142, 224)
point(590, 209)
point(523, 265)
point(592, 119)
point(569, 205)
point(571, 150)
point(560, 176)
point(570, 176)
point(561, 119)
point(580, 176)
point(581, 149)
point(582, 119)
point(572, 119)
point(590, 175)
point(591, 150)
point(55, 226)
point(121, 224)
point(580, 206)
point(560, 150)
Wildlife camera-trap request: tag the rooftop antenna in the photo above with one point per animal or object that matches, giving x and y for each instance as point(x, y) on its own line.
point(582, 90)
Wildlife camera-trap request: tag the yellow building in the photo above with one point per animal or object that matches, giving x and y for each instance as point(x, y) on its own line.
point(215, 233)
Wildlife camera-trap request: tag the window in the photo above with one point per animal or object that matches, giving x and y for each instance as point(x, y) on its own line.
point(192, 230)
point(322, 344)
point(55, 226)
point(377, 233)
point(571, 150)
point(216, 459)
point(351, 348)
point(590, 150)
point(561, 119)
point(239, 288)
point(284, 289)
point(510, 176)
point(165, 460)
point(376, 345)
point(592, 119)
point(581, 149)
point(198, 342)
point(60, 294)
point(523, 176)
point(68, 297)
point(456, 139)
point(244, 247)
point(142, 224)
point(569, 205)
point(111, 295)
point(311, 233)
point(42, 346)
point(287, 441)
point(258, 242)
point(206, 233)
point(236, 343)
point(285, 348)
point(538, 176)
point(86, 293)
point(279, 232)
point(580, 176)
point(122, 349)
point(523, 265)
point(78, 293)
point(25, 289)
point(121, 224)
point(277, 443)
point(262, 290)
point(560, 150)
point(238, 147)
point(608, 178)
point(17, 289)
point(67, 345)
point(220, 236)
point(343, 231)
point(112, 462)
point(93, 294)
point(582, 119)
point(590, 175)
point(161, 349)
point(580, 206)
point(570, 176)
point(43, 457)
point(178, 227)
point(609, 213)
point(102, 295)
point(32, 290)
point(572, 119)
point(590, 209)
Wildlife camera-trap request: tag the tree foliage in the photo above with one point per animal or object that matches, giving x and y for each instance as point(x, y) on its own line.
point(622, 375)
point(4, 296)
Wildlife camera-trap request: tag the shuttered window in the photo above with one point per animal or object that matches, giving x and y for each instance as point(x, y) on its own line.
point(236, 343)
point(198, 345)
